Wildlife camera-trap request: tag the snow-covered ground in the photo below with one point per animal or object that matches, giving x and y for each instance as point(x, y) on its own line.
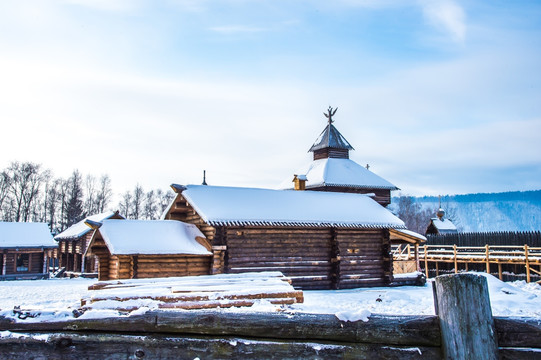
point(56, 299)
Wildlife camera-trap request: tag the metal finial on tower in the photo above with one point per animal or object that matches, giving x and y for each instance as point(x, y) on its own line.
point(330, 113)
point(204, 178)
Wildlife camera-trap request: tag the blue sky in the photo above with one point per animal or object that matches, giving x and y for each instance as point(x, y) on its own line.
point(439, 97)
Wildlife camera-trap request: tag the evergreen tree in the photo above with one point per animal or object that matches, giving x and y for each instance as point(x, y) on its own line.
point(74, 199)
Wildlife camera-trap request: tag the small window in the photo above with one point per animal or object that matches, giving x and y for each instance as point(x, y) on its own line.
point(22, 262)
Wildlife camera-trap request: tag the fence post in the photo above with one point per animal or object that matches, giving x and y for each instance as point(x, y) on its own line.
point(456, 263)
point(426, 261)
point(527, 263)
point(487, 252)
point(463, 306)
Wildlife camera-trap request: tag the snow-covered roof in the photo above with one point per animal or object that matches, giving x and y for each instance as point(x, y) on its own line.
point(25, 235)
point(444, 225)
point(129, 237)
point(339, 172)
point(260, 207)
point(331, 138)
point(79, 229)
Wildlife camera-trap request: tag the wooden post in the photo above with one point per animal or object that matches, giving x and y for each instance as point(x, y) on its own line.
point(454, 256)
point(417, 263)
point(5, 259)
point(500, 275)
point(426, 261)
point(487, 260)
point(437, 268)
point(45, 265)
point(528, 279)
point(467, 328)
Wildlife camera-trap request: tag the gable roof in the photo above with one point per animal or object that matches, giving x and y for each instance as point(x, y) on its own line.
point(331, 138)
point(79, 229)
point(262, 207)
point(339, 172)
point(25, 235)
point(130, 237)
point(443, 225)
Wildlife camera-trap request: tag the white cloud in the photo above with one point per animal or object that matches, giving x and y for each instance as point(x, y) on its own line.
point(447, 16)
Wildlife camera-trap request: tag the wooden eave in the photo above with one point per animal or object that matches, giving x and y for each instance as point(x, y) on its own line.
point(399, 236)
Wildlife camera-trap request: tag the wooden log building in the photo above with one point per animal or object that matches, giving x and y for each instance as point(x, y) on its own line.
point(321, 240)
point(440, 225)
point(334, 235)
point(73, 243)
point(134, 249)
point(26, 250)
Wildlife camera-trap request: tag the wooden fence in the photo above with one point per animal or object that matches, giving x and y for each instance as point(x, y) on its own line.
point(464, 258)
point(232, 335)
point(531, 238)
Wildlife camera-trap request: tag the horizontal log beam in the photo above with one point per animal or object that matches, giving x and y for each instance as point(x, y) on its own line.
point(70, 346)
point(390, 330)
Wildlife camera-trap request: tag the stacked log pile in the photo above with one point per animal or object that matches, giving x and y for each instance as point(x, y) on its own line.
point(193, 292)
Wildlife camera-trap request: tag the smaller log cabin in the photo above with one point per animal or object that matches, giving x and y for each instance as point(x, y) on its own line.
point(27, 249)
point(440, 225)
point(321, 240)
point(73, 243)
point(134, 249)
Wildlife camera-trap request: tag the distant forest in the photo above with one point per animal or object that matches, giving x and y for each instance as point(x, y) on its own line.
point(28, 192)
point(481, 212)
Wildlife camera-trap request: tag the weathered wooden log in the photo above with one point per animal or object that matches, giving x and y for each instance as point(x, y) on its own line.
point(518, 332)
point(390, 330)
point(71, 346)
point(467, 328)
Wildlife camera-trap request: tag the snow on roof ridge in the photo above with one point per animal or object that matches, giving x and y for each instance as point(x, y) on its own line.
point(223, 205)
point(340, 172)
point(80, 228)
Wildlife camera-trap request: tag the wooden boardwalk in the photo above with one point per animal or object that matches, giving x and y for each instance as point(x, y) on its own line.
point(462, 256)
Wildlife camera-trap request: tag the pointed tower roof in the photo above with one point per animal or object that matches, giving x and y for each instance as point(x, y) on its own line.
point(330, 137)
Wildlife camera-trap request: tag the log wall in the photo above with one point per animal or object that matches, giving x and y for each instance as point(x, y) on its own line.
point(114, 267)
point(314, 258)
point(35, 262)
point(364, 258)
point(304, 256)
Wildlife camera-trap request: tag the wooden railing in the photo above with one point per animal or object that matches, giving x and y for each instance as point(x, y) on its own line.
point(489, 254)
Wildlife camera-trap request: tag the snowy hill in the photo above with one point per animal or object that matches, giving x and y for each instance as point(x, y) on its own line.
point(508, 211)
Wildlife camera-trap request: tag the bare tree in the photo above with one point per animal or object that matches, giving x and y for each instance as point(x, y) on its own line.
point(25, 182)
point(137, 201)
point(103, 197)
point(125, 205)
point(164, 199)
point(414, 216)
point(91, 191)
point(4, 194)
point(151, 206)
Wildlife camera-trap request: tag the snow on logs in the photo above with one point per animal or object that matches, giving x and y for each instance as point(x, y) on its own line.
point(193, 292)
